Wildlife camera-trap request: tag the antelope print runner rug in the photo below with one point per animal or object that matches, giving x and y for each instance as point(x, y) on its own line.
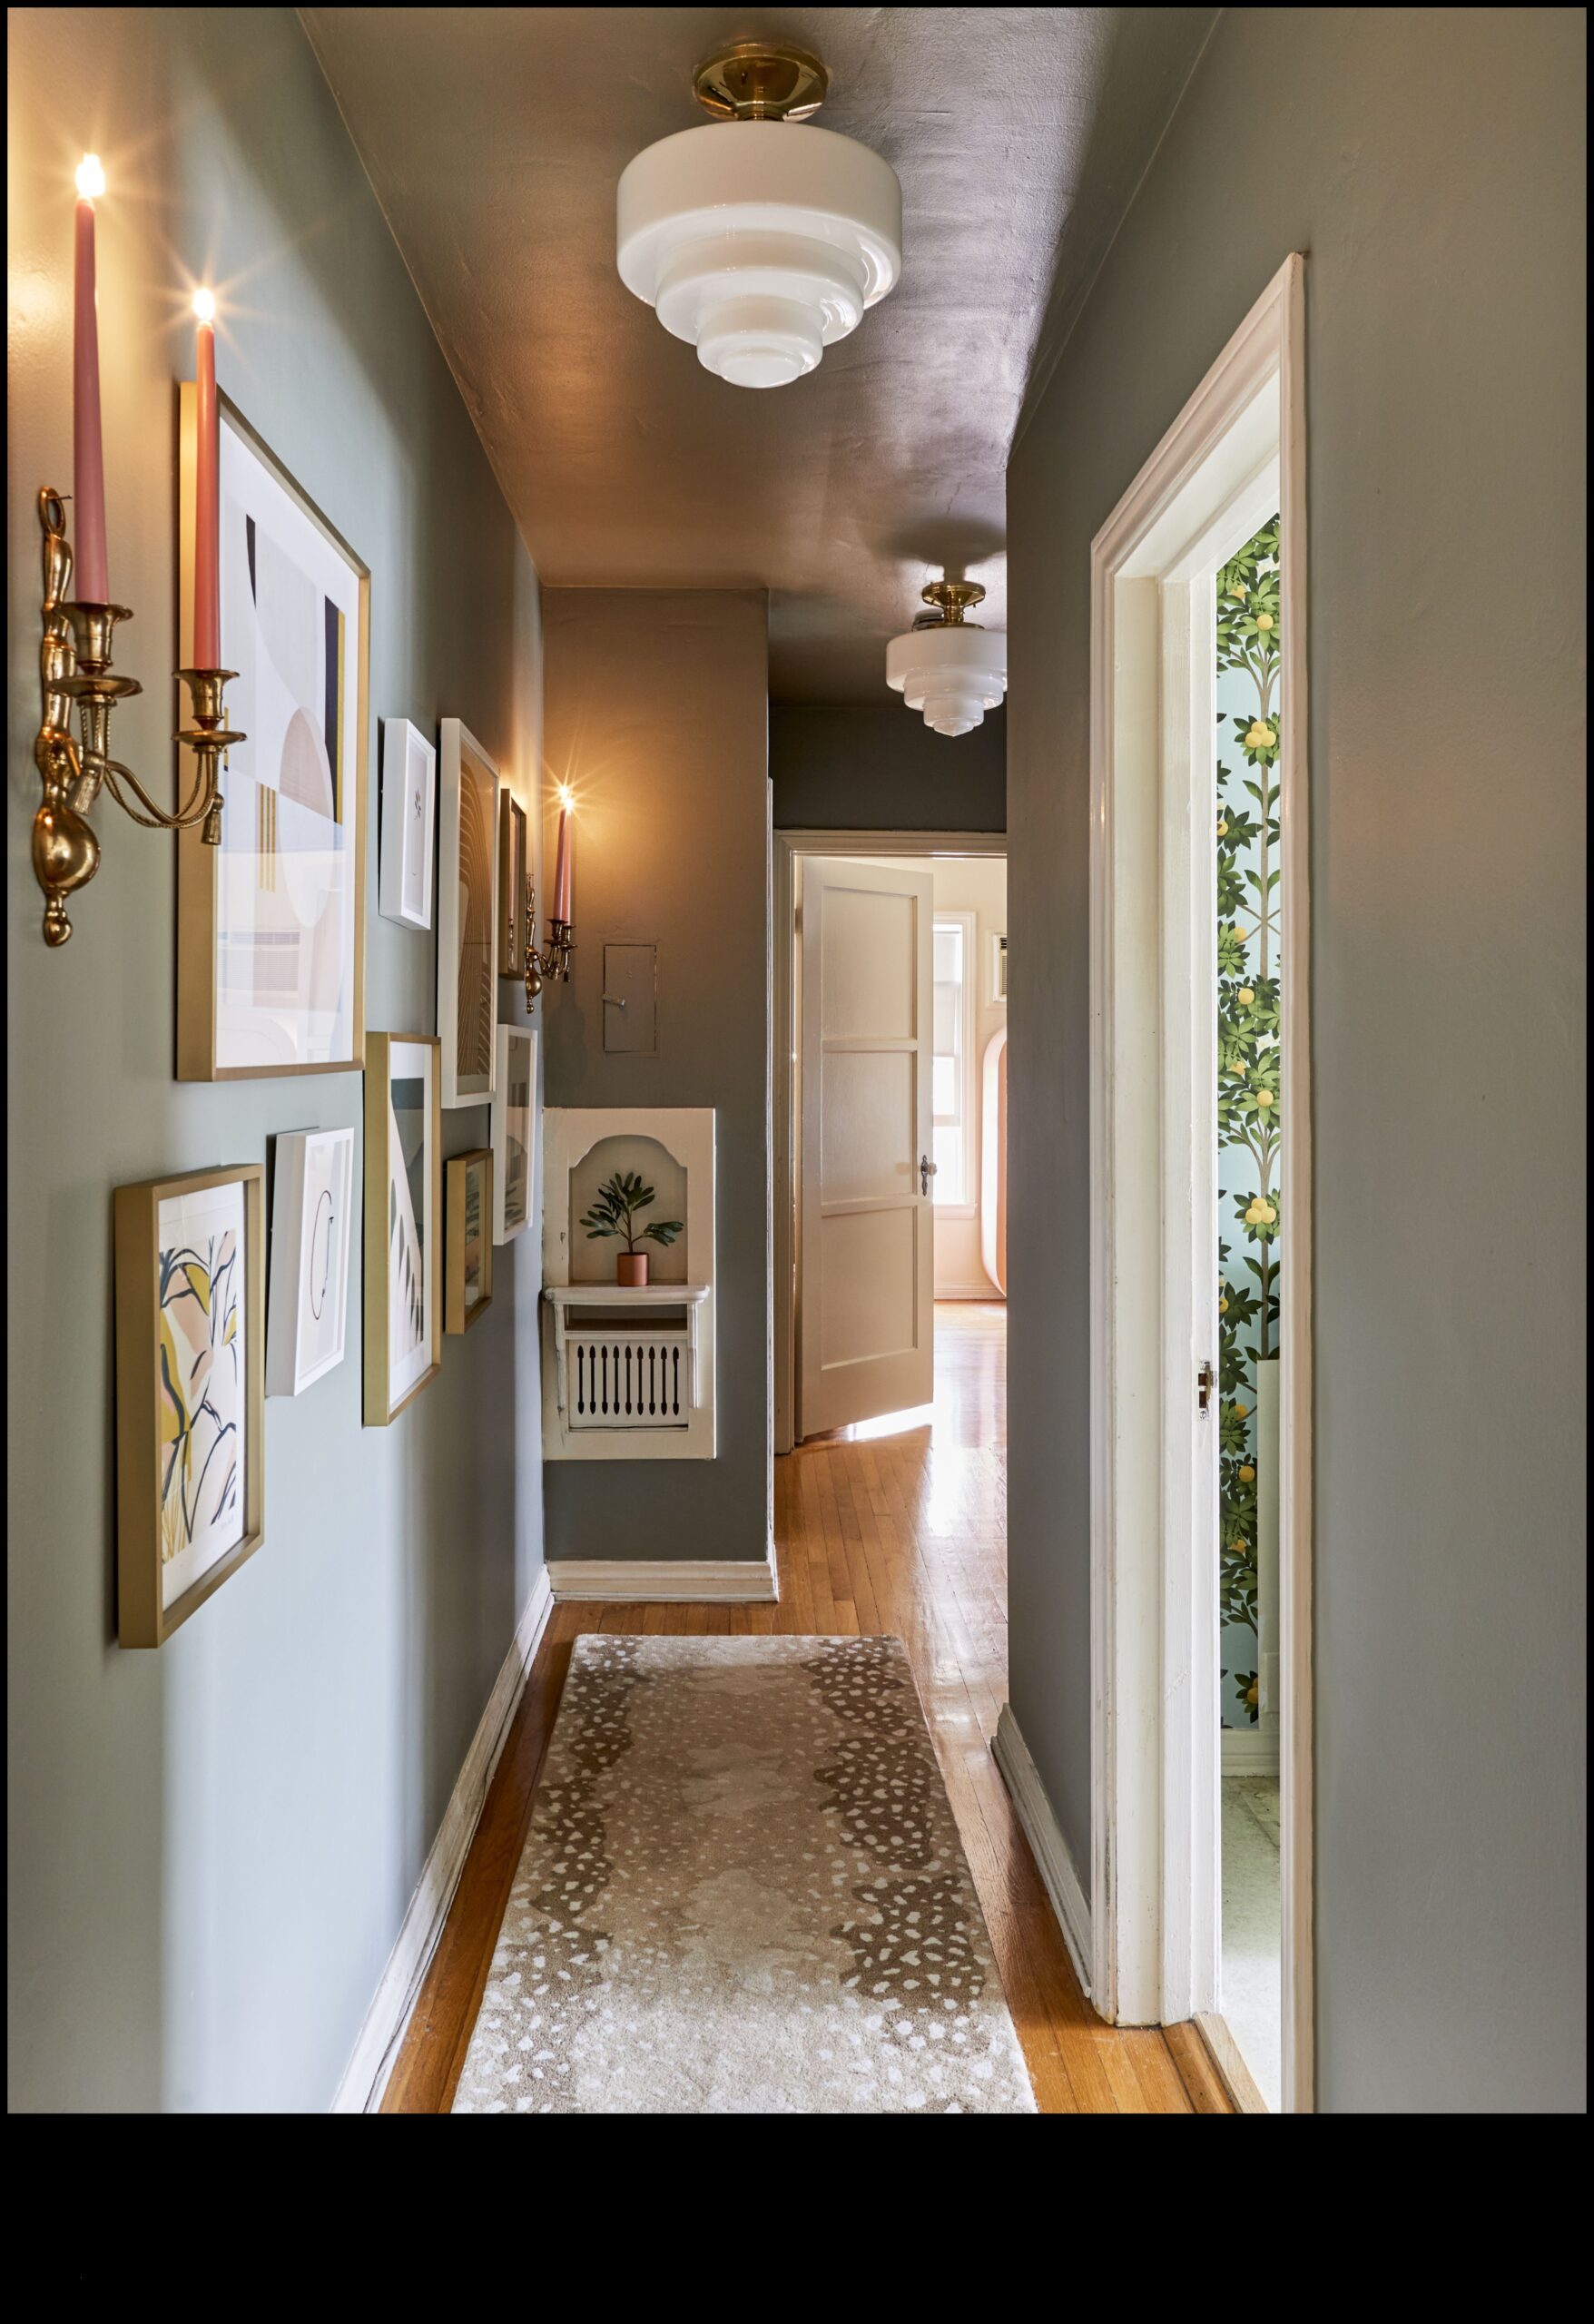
point(742, 1892)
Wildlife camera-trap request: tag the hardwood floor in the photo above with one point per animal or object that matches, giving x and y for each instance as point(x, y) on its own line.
point(876, 1531)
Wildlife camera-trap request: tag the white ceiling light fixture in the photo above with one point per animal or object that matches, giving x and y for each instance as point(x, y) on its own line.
point(949, 668)
point(761, 242)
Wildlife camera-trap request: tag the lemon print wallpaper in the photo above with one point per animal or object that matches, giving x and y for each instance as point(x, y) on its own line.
point(1250, 1072)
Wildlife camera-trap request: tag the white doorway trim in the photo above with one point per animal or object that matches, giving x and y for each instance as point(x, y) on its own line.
point(788, 846)
point(1235, 453)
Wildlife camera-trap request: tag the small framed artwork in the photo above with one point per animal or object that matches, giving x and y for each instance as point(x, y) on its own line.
point(271, 924)
point(511, 885)
point(467, 1276)
point(190, 1280)
point(311, 1215)
point(999, 966)
point(469, 938)
point(514, 1132)
point(409, 806)
point(403, 1222)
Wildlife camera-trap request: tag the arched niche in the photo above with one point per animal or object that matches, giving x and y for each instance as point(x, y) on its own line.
point(594, 1261)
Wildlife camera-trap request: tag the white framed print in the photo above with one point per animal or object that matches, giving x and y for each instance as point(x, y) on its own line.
point(403, 1222)
point(409, 812)
point(999, 966)
point(514, 1132)
point(467, 917)
point(306, 1314)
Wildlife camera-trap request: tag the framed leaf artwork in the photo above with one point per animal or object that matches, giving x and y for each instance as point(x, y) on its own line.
point(311, 1238)
point(467, 917)
point(409, 813)
point(468, 1269)
point(271, 924)
point(513, 1131)
point(189, 1270)
point(403, 1222)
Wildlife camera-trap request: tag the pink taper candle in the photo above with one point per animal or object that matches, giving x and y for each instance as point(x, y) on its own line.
point(91, 586)
point(561, 864)
point(207, 595)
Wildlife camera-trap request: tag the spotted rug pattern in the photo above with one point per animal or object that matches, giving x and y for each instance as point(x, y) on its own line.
point(742, 1892)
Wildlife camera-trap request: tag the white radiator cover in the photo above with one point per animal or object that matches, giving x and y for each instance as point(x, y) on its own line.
point(616, 1378)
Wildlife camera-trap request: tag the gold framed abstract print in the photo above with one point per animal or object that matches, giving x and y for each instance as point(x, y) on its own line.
point(467, 1273)
point(403, 1222)
point(271, 924)
point(467, 916)
point(190, 1350)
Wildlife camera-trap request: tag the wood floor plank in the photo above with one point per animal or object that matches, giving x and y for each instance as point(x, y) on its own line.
point(904, 1535)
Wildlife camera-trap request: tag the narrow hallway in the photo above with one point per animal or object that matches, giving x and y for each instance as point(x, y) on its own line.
point(876, 1532)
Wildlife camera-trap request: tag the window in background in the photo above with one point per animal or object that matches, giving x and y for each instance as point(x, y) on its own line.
point(952, 1085)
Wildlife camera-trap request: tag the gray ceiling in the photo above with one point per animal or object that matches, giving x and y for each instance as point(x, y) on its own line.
point(495, 137)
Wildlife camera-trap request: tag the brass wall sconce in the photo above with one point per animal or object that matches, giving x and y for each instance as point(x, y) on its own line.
point(74, 666)
point(551, 965)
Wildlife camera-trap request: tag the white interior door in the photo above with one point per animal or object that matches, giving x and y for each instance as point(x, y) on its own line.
point(866, 1264)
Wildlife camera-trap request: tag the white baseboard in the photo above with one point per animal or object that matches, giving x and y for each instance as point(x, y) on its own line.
point(1047, 1843)
point(365, 2077)
point(704, 1581)
point(1249, 1751)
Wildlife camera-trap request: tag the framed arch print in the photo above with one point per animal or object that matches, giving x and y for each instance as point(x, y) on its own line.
point(271, 924)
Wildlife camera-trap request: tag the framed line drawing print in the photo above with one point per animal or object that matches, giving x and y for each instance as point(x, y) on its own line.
point(311, 1217)
point(271, 925)
point(467, 916)
point(513, 1131)
point(511, 885)
point(469, 1267)
point(403, 1222)
point(410, 814)
point(190, 1280)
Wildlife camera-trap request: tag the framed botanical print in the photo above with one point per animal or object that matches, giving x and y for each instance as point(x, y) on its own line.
point(467, 1277)
point(467, 917)
point(410, 808)
point(191, 1279)
point(513, 1131)
point(271, 924)
point(403, 1222)
point(511, 885)
point(311, 1220)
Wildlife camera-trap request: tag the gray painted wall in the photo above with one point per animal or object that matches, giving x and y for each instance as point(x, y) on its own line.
point(876, 767)
point(1430, 161)
point(211, 1845)
point(657, 717)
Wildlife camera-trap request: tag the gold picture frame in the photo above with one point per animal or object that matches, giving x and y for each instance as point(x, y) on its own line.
point(190, 1391)
point(403, 1306)
point(468, 1251)
point(204, 1024)
point(511, 885)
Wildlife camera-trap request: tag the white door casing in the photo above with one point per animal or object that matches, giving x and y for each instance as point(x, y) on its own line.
point(866, 1219)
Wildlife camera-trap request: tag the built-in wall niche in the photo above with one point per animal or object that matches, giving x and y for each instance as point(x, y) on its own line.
point(629, 1369)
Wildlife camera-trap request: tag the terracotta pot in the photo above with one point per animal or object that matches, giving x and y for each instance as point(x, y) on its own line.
point(631, 1269)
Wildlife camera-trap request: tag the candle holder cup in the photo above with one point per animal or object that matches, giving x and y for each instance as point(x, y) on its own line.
point(76, 671)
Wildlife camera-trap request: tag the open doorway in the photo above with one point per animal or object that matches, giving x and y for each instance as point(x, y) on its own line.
point(891, 1120)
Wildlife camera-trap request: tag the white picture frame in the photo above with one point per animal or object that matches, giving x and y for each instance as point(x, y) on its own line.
point(409, 818)
point(997, 991)
point(514, 1173)
point(467, 917)
point(312, 1238)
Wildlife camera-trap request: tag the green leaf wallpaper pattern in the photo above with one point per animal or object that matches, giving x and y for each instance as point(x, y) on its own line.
point(1250, 1074)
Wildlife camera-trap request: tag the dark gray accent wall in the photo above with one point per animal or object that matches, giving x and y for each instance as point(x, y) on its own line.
point(1430, 161)
point(212, 1844)
point(876, 767)
point(657, 717)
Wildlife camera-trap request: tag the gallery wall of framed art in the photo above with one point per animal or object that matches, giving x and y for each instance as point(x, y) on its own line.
point(271, 924)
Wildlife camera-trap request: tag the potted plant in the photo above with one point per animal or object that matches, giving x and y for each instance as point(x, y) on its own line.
point(615, 1213)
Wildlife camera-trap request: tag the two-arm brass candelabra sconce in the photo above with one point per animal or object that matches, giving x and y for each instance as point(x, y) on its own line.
point(74, 666)
point(552, 964)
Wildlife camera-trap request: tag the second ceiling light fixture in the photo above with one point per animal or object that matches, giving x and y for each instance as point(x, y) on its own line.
point(761, 241)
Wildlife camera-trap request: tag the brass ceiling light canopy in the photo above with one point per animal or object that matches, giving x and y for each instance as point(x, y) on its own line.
point(947, 666)
point(764, 247)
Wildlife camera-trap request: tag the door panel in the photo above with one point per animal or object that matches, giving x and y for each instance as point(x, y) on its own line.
point(866, 1225)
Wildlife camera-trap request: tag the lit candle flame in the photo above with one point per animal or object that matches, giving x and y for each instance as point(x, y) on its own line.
point(204, 306)
point(566, 797)
point(91, 177)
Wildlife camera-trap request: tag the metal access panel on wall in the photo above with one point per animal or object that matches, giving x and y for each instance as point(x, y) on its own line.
point(631, 1025)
